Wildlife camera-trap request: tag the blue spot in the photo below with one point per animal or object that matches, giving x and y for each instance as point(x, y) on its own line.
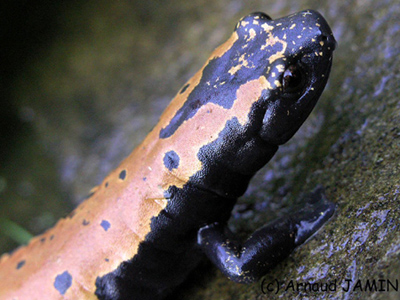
point(85, 222)
point(105, 224)
point(122, 175)
point(184, 88)
point(63, 282)
point(20, 264)
point(144, 178)
point(171, 160)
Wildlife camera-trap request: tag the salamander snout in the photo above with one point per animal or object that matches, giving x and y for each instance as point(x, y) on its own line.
point(329, 40)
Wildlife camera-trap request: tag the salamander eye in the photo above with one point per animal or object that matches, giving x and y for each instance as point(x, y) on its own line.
point(293, 79)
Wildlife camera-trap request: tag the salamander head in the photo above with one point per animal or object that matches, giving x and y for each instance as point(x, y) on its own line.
point(295, 59)
point(267, 77)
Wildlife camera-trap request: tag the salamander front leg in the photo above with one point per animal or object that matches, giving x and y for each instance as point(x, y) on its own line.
point(266, 247)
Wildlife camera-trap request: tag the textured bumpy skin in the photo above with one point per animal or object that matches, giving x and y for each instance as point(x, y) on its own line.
point(153, 218)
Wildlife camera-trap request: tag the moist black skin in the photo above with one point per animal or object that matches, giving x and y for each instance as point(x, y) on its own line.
point(194, 220)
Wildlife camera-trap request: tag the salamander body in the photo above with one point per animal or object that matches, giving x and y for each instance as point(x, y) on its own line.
point(166, 206)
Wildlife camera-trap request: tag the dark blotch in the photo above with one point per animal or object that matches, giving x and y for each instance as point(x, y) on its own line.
point(217, 70)
point(51, 237)
point(63, 282)
point(20, 264)
point(184, 88)
point(106, 185)
point(106, 259)
point(42, 240)
point(144, 178)
point(105, 224)
point(85, 222)
point(122, 175)
point(171, 160)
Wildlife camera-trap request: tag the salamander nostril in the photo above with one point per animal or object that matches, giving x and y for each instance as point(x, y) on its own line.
point(330, 40)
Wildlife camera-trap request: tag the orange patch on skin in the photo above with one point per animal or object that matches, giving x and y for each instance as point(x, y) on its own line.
point(272, 40)
point(128, 205)
point(209, 120)
point(180, 99)
point(247, 94)
point(80, 249)
point(252, 33)
point(242, 63)
point(267, 28)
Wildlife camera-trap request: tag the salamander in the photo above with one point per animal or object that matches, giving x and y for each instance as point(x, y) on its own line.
point(166, 206)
